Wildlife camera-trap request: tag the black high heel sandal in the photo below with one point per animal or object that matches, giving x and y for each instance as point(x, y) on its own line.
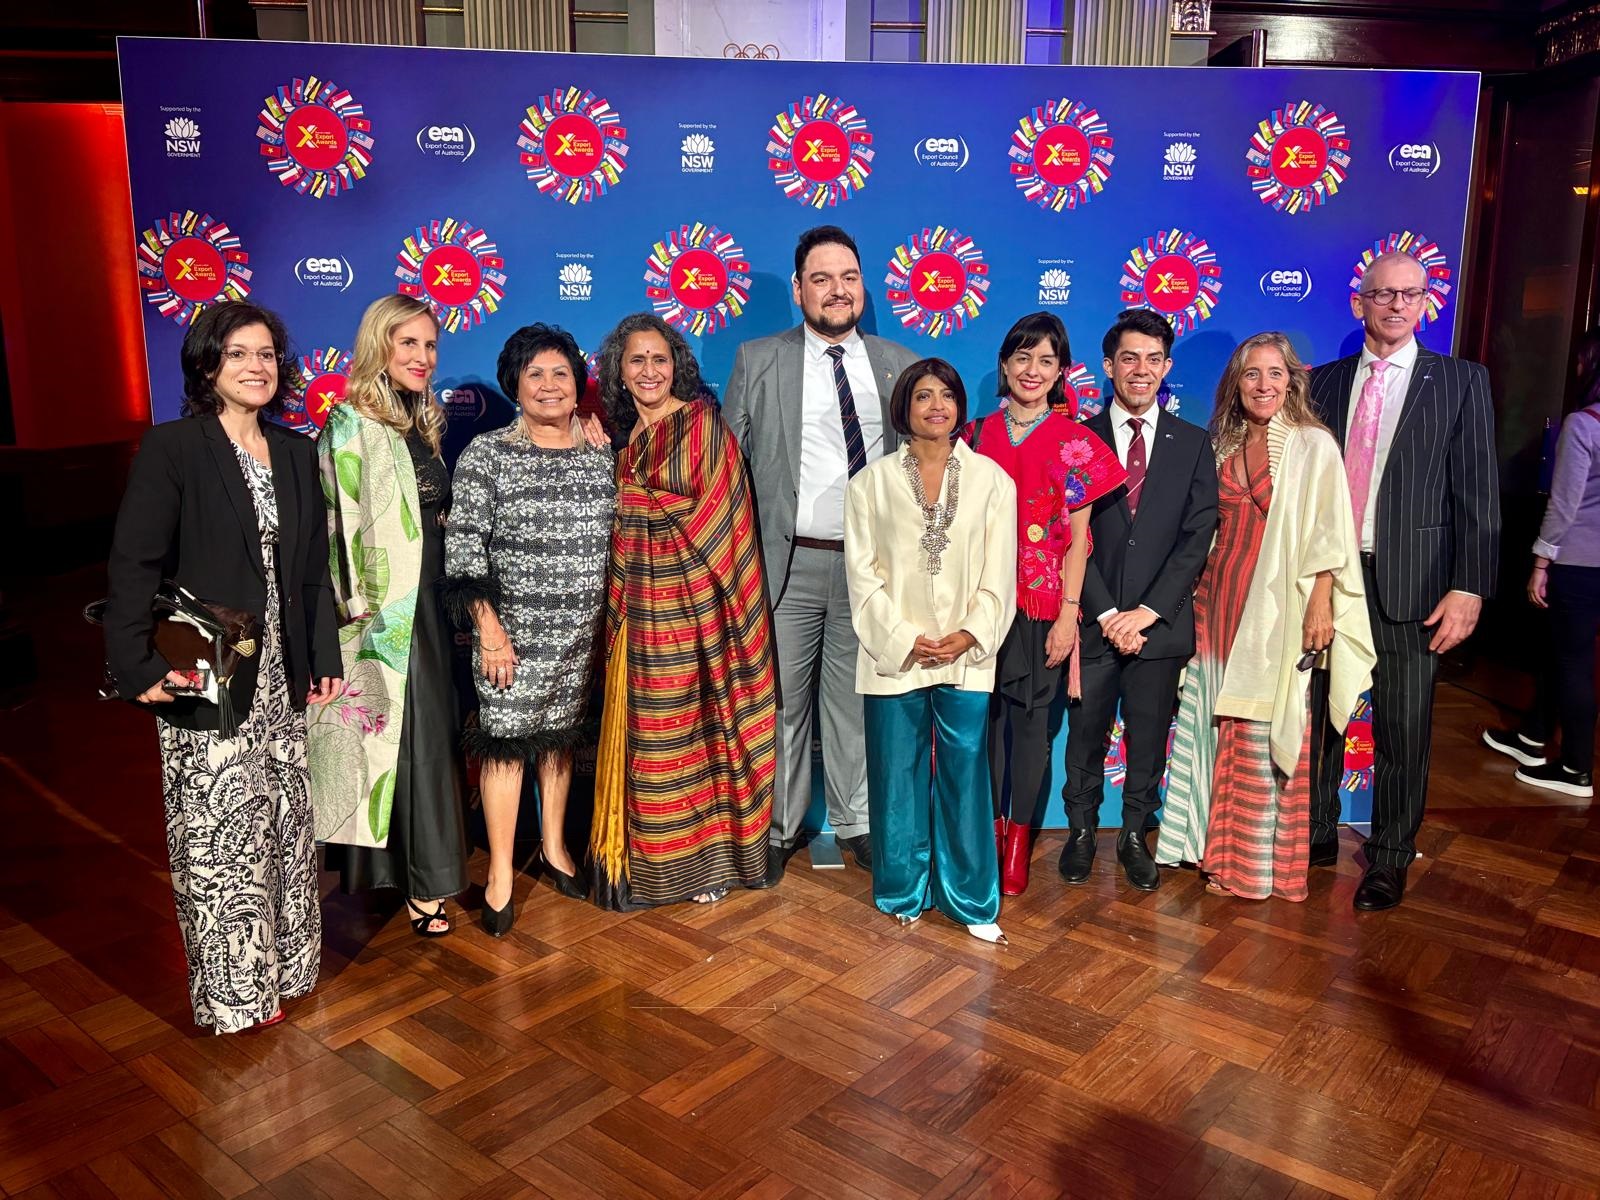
point(419, 925)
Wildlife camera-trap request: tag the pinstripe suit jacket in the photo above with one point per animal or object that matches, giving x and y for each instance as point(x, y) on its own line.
point(1437, 524)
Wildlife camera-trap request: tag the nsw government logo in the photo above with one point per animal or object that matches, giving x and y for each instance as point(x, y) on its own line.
point(1286, 283)
point(697, 154)
point(325, 273)
point(183, 138)
point(447, 141)
point(575, 281)
point(1178, 162)
point(949, 153)
point(1415, 158)
point(1055, 286)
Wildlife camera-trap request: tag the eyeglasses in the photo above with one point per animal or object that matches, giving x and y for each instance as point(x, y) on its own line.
point(1387, 295)
point(236, 356)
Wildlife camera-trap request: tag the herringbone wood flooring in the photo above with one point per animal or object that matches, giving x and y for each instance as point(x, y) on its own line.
point(796, 1043)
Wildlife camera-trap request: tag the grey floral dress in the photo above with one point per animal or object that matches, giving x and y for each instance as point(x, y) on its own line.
point(240, 832)
point(530, 532)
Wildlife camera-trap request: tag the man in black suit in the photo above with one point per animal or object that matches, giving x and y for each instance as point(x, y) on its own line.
point(1150, 540)
point(1417, 432)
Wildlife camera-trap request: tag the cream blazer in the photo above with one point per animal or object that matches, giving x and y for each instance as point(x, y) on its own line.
point(893, 599)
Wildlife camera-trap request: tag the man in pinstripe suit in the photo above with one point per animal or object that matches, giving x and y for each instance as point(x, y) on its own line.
point(1417, 431)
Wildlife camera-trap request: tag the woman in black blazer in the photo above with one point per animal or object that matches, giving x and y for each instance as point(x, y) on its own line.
point(230, 507)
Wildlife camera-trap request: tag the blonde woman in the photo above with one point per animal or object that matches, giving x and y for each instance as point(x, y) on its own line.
point(385, 775)
point(1281, 590)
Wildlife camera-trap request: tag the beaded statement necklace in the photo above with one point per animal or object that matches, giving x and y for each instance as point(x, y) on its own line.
point(936, 519)
point(1018, 430)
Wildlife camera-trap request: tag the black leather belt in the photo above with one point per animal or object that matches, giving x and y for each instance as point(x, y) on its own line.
point(834, 544)
point(1369, 559)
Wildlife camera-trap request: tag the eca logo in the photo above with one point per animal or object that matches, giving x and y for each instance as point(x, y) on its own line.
point(949, 153)
point(317, 272)
point(1415, 158)
point(463, 403)
point(447, 141)
point(1286, 283)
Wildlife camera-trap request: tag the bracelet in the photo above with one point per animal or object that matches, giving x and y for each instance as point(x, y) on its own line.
point(1070, 600)
point(492, 649)
point(1537, 567)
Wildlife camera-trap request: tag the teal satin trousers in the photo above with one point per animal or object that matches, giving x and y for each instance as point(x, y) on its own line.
point(932, 823)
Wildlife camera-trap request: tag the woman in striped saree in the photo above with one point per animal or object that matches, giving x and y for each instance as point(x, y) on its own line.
point(683, 784)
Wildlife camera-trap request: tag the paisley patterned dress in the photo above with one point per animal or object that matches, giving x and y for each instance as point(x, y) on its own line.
point(240, 835)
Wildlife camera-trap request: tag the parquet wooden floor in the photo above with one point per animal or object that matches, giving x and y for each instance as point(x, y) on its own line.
point(795, 1043)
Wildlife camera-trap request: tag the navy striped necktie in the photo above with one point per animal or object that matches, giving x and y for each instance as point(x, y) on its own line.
point(854, 445)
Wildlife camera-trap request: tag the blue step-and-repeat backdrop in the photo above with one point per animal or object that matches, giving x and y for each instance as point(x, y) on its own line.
point(509, 187)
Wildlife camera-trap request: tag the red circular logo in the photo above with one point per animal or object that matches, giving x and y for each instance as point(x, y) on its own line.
point(938, 281)
point(193, 268)
point(315, 137)
point(1061, 155)
point(573, 145)
point(1171, 283)
point(451, 275)
point(699, 279)
point(1299, 156)
point(322, 393)
point(821, 151)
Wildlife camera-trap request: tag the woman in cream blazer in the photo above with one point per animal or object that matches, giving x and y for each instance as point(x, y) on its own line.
point(930, 558)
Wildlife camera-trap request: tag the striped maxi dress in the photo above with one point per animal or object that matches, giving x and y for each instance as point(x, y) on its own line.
point(1227, 807)
point(684, 777)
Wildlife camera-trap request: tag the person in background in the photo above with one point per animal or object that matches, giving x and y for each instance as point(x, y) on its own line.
point(930, 550)
point(228, 506)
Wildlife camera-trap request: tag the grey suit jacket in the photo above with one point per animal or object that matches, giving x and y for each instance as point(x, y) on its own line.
point(763, 406)
point(1437, 526)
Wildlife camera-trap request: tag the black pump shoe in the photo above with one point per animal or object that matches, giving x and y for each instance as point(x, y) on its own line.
point(497, 922)
point(574, 886)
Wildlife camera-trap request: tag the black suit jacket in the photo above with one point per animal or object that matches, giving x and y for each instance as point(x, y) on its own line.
point(1154, 558)
point(187, 516)
point(1437, 524)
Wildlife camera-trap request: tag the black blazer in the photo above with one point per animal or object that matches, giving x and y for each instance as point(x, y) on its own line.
point(1154, 558)
point(1437, 524)
point(187, 516)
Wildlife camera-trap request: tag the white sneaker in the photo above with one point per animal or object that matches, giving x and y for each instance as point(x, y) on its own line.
point(1512, 744)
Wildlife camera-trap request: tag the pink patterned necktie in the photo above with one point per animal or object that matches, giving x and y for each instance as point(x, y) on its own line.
point(1361, 445)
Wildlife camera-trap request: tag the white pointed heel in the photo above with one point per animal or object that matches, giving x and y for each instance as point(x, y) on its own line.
point(988, 933)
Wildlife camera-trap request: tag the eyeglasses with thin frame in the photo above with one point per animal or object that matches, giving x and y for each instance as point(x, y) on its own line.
point(236, 355)
point(1387, 295)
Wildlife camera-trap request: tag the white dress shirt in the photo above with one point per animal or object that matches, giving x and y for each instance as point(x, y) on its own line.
point(1395, 382)
point(824, 462)
point(1122, 442)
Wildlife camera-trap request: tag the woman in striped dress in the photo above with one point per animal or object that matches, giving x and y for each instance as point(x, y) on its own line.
point(683, 782)
point(1282, 589)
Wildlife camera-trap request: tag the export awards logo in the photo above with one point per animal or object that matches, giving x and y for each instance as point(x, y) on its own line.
point(1175, 273)
point(1298, 157)
point(697, 279)
point(456, 269)
point(819, 150)
point(937, 281)
point(188, 261)
point(574, 146)
point(324, 374)
point(1061, 155)
point(315, 137)
point(1425, 251)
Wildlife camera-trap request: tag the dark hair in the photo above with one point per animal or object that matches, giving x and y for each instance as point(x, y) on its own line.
point(526, 344)
point(900, 401)
point(1028, 332)
point(822, 235)
point(202, 356)
point(1137, 320)
point(618, 403)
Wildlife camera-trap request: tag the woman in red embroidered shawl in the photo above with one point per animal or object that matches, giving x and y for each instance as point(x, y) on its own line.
point(1060, 469)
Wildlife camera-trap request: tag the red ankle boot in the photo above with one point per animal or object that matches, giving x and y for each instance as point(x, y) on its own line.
point(1014, 861)
point(1000, 827)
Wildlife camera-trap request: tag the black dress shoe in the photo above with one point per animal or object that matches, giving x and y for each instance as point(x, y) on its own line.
point(777, 860)
point(1136, 862)
point(860, 848)
point(1077, 856)
point(574, 886)
point(1381, 888)
point(1324, 854)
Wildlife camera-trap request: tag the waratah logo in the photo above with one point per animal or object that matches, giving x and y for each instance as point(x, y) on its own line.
point(1178, 161)
point(576, 281)
point(1055, 285)
point(698, 154)
point(183, 138)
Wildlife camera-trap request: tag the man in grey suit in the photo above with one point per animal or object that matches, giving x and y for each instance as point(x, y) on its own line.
point(810, 408)
point(1417, 432)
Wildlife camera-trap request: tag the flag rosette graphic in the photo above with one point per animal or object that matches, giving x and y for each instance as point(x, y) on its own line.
point(1080, 397)
point(1298, 157)
point(1425, 251)
point(1061, 154)
point(315, 137)
point(188, 261)
point(697, 279)
point(819, 151)
point(453, 266)
point(573, 145)
point(937, 281)
point(1176, 273)
point(324, 375)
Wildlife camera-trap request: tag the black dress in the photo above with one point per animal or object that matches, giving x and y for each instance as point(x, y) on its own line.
point(426, 854)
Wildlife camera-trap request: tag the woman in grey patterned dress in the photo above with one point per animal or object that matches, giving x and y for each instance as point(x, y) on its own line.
point(238, 814)
point(525, 565)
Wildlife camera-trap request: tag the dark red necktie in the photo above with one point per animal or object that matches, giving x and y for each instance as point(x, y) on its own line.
point(1135, 464)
